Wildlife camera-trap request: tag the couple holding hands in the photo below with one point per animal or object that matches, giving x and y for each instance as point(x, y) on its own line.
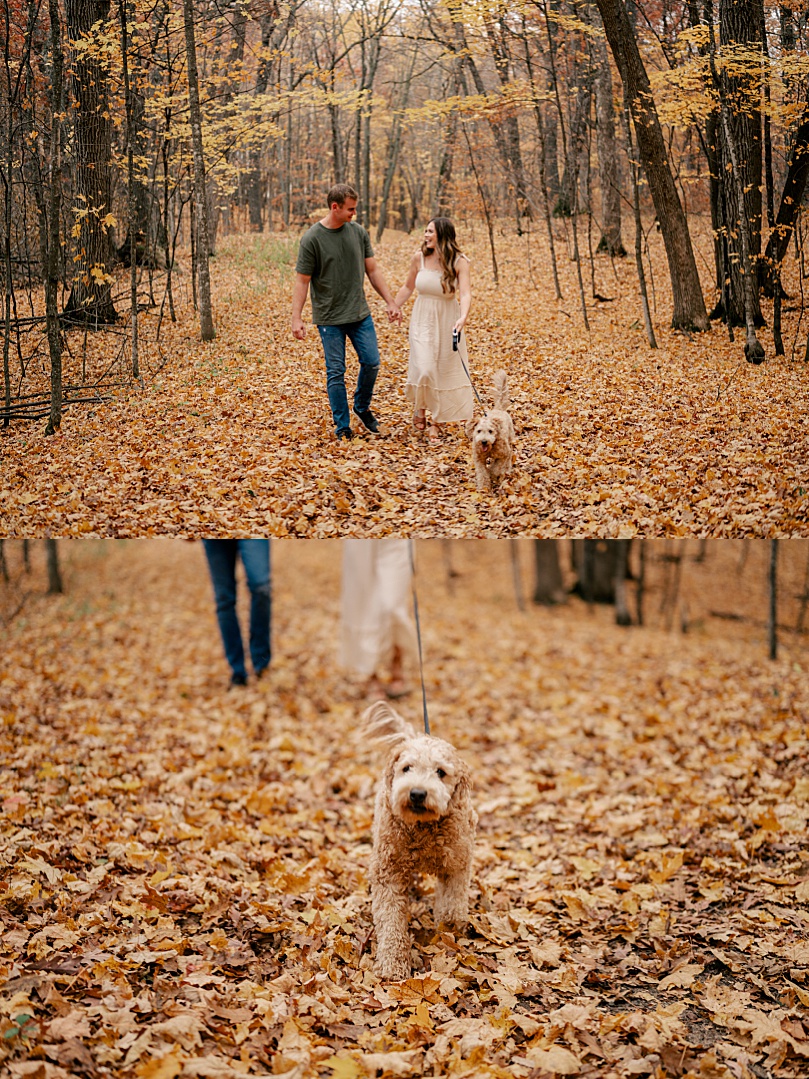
point(334, 256)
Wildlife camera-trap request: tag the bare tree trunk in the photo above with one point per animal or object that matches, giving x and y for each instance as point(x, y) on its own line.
point(571, 168)
point(48, 198)
point(602, 567)
point(753, 349)
point(791, 200)
point(773, 620)
point(484, 198)
point(394, 143)
point(609, 171)
point(497, 32)
point(442, 202)
point(644, 296)
point(740, 23)
point(90, 299)
point(689, 304)
point(200, 195)
point(131, 196)
point(542, 131)
point(54, 576)
point(620, 573)
point(549, 588)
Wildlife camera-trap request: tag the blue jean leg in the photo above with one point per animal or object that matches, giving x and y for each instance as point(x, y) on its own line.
point(363, 337)
point(333, 339)
point(255, 556)
point(221, 555)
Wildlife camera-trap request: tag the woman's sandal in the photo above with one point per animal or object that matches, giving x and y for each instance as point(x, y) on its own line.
point(434, 434)
point(419, 422)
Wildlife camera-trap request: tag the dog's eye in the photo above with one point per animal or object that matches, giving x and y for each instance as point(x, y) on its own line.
point(441, 773)
point(406, 768)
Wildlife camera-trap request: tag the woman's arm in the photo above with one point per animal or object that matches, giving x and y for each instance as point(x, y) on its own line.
point(405, 292)
point(464, 290)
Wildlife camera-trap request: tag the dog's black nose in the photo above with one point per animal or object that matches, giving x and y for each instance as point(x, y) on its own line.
point(418, 797)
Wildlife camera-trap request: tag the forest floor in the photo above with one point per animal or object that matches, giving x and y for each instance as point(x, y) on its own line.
point(235, 437)
point(183, 868)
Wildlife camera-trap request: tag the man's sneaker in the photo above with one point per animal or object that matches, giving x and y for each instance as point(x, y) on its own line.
point(345, 434)
point(368, 421)
point(238, 680)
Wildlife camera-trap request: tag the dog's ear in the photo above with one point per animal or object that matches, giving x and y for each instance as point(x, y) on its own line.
point(390, 768)
point(461, 795)
point(469, 427)
point(383, 725)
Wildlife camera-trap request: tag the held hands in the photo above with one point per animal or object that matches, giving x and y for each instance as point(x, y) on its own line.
point(394, 312)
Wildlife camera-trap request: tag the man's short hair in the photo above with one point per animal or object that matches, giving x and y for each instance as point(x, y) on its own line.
point(339, 193)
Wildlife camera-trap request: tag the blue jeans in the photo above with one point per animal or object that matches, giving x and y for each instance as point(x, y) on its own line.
point(362, 336)
point(255, 556)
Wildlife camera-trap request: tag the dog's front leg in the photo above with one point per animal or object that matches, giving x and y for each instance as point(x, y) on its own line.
point(390, 911)
point(482, 478)
point(451, 904)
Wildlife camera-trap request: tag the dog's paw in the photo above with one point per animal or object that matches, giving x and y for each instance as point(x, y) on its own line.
point(392, 969)
point(457, 917)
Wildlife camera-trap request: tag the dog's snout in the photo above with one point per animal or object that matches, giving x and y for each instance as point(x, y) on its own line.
point(418, 797)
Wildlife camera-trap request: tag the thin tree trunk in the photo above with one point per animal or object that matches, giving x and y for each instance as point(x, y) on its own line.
point(753, 349)
point(548, 585)
point(740, 25)
point(689, 303)
point(609, 172)
point(54, 576)
point(484, 198)
point(200, 195)
point(773, 620)
point(90, 299)
point(542, 131)
point(644, 296)
point(570, 170)
point(791, 200)
point(768, 173)
point(52, 230)
point(394, 144)
point(131, 195)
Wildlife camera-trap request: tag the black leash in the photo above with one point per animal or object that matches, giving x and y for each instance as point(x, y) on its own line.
point(418, 635)
point(472, 384)
point(454, 345)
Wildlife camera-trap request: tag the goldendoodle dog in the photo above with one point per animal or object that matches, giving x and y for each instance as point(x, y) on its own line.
point(423, 823)
point(493, 439)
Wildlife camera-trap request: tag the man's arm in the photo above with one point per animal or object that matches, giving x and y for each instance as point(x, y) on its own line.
point(300, 290)
point(377, 279)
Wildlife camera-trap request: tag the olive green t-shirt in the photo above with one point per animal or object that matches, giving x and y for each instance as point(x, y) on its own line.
point(335, 261)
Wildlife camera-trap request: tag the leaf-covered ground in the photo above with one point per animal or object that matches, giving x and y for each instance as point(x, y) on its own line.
point(614, 439)
point(183, 869)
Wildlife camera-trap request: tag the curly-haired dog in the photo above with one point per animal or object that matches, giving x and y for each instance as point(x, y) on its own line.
point(493, 439)
point(423, 823)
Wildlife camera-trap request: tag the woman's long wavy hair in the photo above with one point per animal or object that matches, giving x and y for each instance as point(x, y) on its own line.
point(448, 251)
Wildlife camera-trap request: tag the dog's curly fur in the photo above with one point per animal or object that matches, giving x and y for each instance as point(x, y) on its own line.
point(423, 823)
point(493, 439)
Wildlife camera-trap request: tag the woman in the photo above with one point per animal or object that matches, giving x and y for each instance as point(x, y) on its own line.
point(377, 631)
point(436, 379)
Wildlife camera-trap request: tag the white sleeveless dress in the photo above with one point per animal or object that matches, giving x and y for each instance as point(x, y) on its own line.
point(436, 379)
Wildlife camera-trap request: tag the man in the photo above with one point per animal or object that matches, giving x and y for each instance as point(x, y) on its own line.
point(334, 256)
point(222, 555)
